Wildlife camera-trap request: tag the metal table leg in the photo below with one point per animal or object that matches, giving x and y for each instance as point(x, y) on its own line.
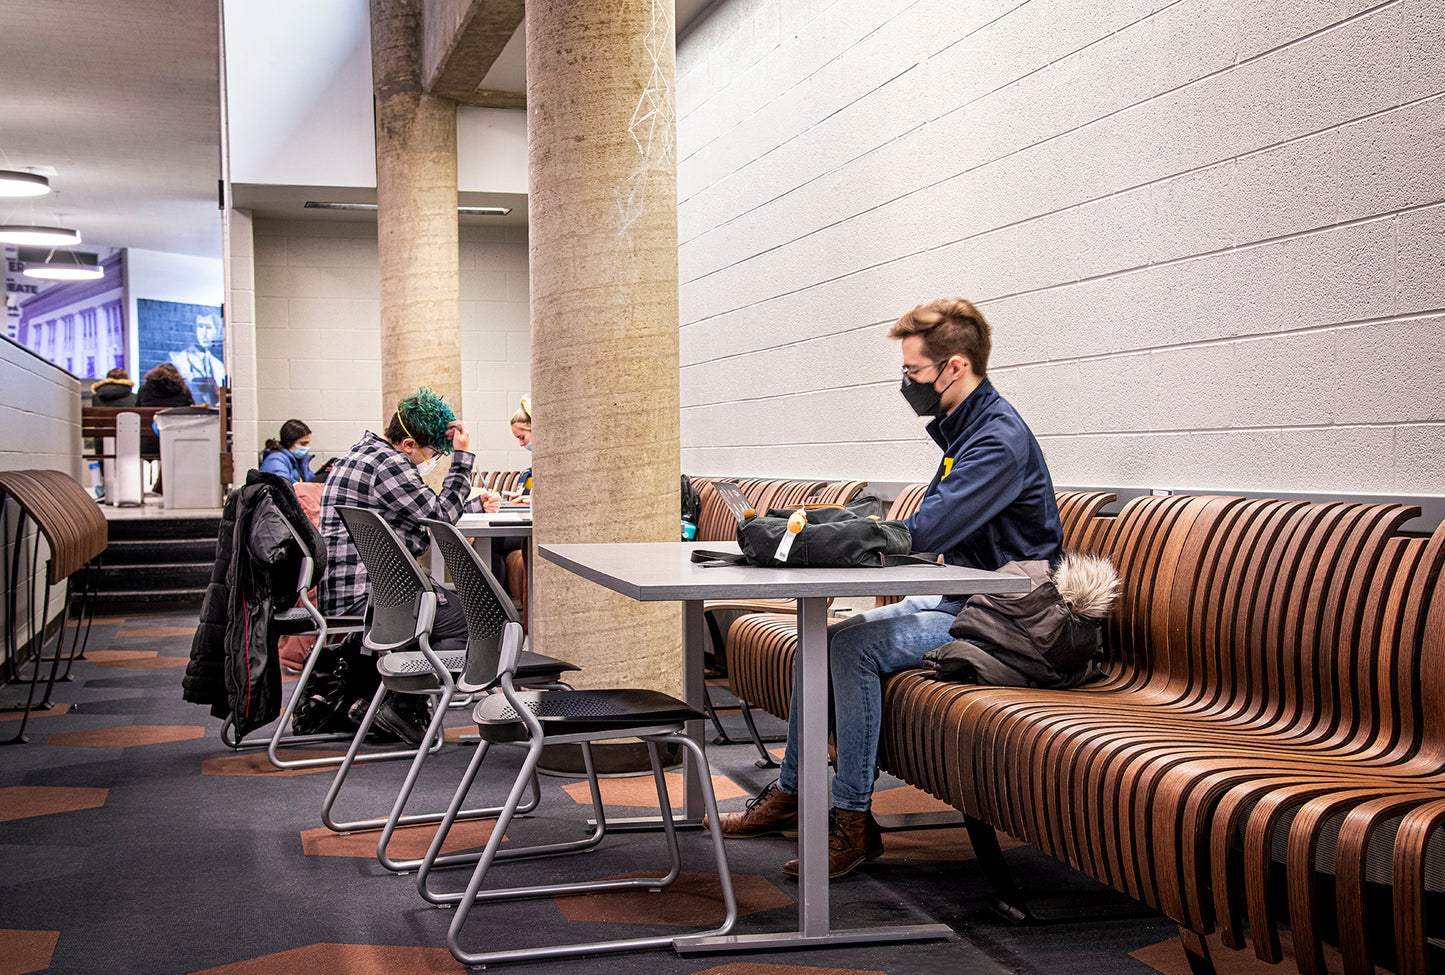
point(814, 800)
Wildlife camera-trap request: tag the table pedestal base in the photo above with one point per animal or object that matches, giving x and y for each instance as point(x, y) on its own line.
point(795, 939)
point(648, 824)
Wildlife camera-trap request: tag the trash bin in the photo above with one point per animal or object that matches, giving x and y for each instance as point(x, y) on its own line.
point(190, 456)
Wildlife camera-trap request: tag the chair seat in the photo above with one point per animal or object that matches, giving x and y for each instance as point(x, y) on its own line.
point(580, 712)
point(410, 671)
point(534, 665)
point(296, 620)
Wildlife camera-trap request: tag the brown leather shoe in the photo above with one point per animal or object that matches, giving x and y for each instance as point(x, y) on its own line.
point(853, 840)
point(772, 811)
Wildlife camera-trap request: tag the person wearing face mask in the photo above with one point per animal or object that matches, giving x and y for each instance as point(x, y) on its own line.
point(991, 502)
point(289, 455)
point(384, 474)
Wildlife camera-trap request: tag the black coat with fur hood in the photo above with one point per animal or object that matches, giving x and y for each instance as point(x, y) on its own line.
point(1050, 636)
point(113, 392)
point(234, 666)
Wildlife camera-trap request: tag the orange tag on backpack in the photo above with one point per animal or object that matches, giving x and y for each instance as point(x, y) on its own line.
point(795, 525)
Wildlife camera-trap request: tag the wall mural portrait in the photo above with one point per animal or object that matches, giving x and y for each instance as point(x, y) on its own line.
point(190, 337)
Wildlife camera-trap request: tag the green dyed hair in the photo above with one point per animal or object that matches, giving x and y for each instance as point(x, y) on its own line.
point(423, 416)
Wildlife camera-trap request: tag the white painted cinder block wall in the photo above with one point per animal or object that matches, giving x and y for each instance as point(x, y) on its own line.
point(318, 346)
point(1209, 234)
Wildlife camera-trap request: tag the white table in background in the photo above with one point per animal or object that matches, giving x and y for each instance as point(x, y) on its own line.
point(481, 528)
point(663, 571)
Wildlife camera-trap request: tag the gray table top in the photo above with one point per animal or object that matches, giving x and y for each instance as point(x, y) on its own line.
point(654, 571)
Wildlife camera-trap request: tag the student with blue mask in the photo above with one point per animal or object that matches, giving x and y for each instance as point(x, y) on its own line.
point(522, 430)
point(290, 456)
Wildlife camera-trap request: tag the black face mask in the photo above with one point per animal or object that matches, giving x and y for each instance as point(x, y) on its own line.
point(925, 400)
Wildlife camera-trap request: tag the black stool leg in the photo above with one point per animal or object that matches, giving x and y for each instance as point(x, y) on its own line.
point(89, 587)
point(20, 738)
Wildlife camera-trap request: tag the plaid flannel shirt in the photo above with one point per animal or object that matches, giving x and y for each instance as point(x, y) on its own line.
point(377, 476)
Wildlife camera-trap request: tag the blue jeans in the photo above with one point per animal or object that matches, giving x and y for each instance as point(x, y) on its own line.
point(860, 651)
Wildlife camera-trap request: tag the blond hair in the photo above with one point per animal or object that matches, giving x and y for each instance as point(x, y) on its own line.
point(523, 416)
point(949, 327)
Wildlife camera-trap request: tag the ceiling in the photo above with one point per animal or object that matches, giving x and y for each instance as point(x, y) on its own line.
point(118, 102)
point(122, 101)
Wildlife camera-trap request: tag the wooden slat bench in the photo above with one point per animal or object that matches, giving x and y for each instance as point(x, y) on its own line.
point(1267, 746)
point(98, 422)
point(1264, 719)
point(76, 534)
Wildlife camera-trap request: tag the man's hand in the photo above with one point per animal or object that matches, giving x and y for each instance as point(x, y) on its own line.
point(491, 502)
point(461, 440)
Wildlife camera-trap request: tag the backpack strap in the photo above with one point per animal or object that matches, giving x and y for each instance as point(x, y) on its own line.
point(709, 559)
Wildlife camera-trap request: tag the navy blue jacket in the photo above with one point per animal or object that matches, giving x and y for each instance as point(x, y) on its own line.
point(285, 464)
point(992, 501)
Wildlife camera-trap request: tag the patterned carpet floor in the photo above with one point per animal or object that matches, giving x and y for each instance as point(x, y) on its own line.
point(133, 840)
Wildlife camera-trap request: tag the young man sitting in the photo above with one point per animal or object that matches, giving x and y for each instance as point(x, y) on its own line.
point(991, 502)
point(384, 474)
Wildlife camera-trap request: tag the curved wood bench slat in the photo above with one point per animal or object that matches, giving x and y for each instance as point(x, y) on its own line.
point(65, 514)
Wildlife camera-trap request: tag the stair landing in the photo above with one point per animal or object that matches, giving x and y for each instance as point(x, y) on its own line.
point(157, 554)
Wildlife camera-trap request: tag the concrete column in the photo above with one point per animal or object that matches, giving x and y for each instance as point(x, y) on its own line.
point(602, 207)
point(238, 247)
point(416, 218)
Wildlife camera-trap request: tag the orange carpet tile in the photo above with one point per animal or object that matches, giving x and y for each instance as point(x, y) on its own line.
point(408, 843)
point(330, 959)
point(127, 736)
point(639, 790)
point(693, 900)
point(26, 951)
point(257, 763)
point(23, 801)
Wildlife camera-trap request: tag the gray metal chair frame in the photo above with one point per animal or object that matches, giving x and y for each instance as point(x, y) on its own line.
point(554, 717)
point(522, 718)
point(487, 610)
point(307, 612)
point(401, 608)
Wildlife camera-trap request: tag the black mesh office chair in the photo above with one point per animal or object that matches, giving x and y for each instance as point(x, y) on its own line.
point(487, 610)
point(537, 718)
point(400, 610)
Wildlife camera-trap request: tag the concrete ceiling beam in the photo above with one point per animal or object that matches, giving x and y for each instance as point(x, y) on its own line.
point(460, 41)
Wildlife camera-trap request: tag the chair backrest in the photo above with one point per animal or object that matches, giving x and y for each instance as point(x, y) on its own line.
point(511, 647)
point(485, 602)
point(306, 574)
point(400, 603)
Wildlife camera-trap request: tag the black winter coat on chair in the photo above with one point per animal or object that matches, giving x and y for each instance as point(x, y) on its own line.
point(234, 666)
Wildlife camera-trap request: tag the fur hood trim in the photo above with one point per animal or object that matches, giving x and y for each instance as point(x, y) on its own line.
point(95, 387)
point(1088, 583)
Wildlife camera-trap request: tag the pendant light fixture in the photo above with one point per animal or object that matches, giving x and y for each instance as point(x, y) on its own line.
point(32, 232)
point(15, 183)
point(19, 233)
point(62, 265)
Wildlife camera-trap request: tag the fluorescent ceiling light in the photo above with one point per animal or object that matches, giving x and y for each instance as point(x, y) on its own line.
point(15, 233)
point(14, 183)
point(313, 205)
point(370, 207)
